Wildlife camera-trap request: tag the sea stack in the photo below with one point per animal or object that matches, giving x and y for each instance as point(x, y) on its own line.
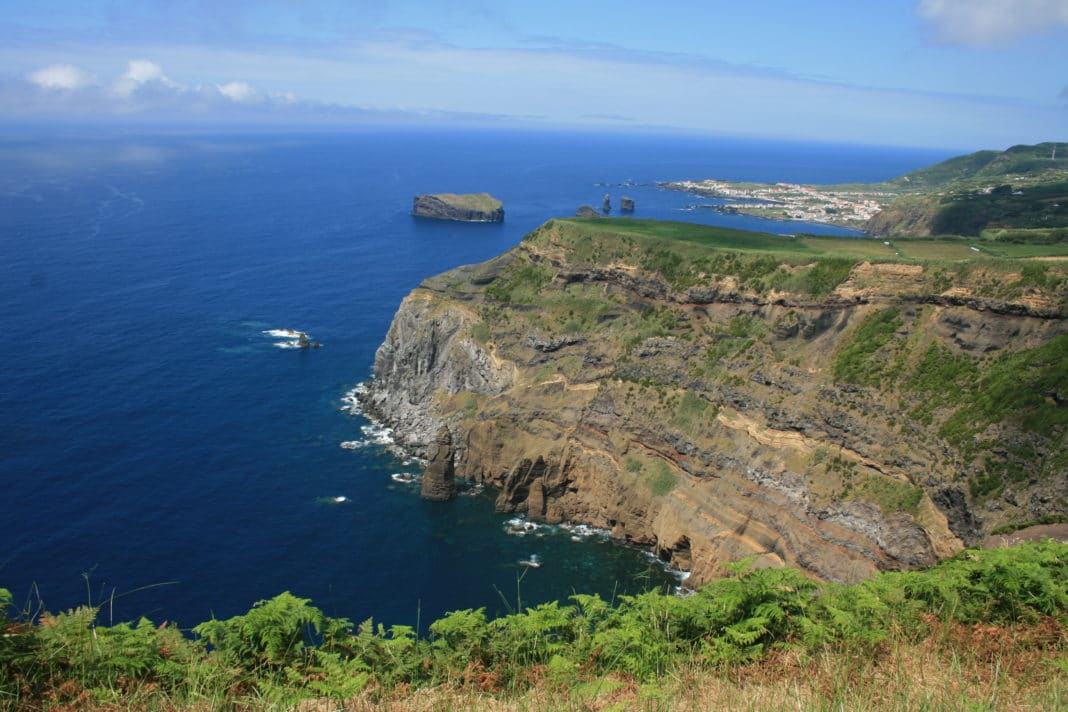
point(439, 477)
point(626, 204)
point(469, 207)
point(607, 207)
point(587, 211)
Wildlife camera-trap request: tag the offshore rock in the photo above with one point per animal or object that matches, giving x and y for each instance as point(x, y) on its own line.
point(469, 207)
point(626, 204)
point(439, 476)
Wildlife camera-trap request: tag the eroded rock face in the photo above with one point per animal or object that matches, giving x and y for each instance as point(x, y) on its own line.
point(429, 350)
point(439, 475)
point(708, 421)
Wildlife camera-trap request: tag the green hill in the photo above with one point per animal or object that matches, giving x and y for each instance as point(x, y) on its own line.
point(1022, 160)
point(1020, 194)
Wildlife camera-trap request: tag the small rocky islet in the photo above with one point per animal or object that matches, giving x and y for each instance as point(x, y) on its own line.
point(466, 207)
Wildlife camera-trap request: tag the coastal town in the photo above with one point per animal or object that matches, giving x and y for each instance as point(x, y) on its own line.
point(836, 205)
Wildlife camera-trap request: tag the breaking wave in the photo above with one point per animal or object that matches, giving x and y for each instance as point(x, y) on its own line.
point(293, 339)
point(282, 333)
point(518, 526)
point(374, 433)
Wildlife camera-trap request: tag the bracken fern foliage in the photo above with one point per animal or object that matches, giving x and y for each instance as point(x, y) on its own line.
point(285, 650)
point(274, 633)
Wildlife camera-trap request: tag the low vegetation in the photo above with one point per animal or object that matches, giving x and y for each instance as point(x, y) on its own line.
point(687, 253)
point(1018, 195)
point(989, 626)
point(863, 360)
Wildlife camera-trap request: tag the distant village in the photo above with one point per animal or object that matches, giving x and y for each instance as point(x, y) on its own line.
point(790, 201)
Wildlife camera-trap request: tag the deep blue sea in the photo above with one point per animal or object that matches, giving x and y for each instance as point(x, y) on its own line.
point(159, 452)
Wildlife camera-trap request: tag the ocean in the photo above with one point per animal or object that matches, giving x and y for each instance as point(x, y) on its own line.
point(161, 456)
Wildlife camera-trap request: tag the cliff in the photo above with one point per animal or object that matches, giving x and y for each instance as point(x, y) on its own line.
point(471, 207)
point(714, 394)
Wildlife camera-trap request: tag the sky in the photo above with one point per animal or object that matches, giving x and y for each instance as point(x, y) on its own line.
point(953, 74)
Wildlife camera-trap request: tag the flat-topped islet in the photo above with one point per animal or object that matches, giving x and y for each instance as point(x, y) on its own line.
point(468, 207)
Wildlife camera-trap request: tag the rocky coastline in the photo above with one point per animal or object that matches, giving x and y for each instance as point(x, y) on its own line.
point(705, 421)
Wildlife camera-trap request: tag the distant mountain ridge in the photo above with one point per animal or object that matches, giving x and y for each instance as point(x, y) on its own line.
point(1021, 160)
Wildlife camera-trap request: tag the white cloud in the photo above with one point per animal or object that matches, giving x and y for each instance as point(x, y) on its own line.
point(384, 82)
point(237, 91)
point(981, 23)
point(61, 76)
point(140, 72)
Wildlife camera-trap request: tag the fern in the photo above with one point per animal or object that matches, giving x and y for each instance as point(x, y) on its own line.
point(273, 634)
point(285, 650)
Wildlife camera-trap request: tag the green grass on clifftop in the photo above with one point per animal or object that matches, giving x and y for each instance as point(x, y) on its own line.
point(479, 202)
point(687, 238)
point(689, 255)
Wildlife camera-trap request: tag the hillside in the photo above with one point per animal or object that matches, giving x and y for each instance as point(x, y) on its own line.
point(1019, 194)
point(1041, 161)
point(975, 207)
point(714, 394)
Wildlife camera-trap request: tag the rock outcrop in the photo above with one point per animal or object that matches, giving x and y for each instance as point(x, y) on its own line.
point(470, 207)
point(439, 475)
point(713, 405)
point(626, 204)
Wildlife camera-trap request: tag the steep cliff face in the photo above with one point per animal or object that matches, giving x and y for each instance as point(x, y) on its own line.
point(714, 402)
point(430, 355)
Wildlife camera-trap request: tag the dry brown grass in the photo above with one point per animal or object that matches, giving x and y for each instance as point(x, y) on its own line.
point(957, 667)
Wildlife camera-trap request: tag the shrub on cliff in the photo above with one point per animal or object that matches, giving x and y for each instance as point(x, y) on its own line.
point(284, 650)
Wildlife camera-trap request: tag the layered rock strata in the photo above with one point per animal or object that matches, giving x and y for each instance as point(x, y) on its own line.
point(687, 401)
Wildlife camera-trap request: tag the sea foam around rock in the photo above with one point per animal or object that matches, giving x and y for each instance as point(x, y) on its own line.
point(374, 432)
point(291, 336)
